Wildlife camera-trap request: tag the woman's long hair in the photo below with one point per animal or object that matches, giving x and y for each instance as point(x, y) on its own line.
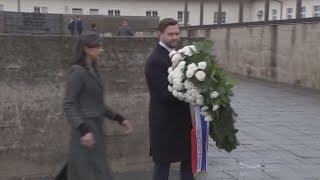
point(90, 40)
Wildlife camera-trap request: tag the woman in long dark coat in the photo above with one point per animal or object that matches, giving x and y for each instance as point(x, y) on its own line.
point(85, 109)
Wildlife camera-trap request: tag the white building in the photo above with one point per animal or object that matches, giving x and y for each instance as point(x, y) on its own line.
point(253, 9)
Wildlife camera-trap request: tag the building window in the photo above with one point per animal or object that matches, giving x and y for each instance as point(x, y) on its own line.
point(155, 13)
point(94, 11)
point(36, 9)
point(44, 9)
point(216, 15)
point(117, 12)
point(114, 12)
point(224, 14)
point(151, 13)
point(303, 12)
point(316, 11)
point(76, 11)
point(1, 7)
point(181, 16)
point(274, 14)
point(260, 16)
point(289, 13)
point(40, 9)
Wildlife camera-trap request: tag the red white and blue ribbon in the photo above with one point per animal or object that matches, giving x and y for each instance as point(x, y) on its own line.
point(199, 142)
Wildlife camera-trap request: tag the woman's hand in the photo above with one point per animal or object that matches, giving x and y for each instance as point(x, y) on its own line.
point(88, 140)
point(128, 128)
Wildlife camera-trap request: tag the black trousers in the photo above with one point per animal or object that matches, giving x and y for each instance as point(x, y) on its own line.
point(161, 171)
point(62, 175)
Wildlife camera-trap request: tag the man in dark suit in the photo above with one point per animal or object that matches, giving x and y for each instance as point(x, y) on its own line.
point(71, 25)
point(79, 26)
point(169, 118)
point(124, 30)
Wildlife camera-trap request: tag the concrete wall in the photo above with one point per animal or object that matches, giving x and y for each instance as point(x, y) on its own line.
point(32, 80)
point(32, 23)
point(1, 23)
point(286, 53)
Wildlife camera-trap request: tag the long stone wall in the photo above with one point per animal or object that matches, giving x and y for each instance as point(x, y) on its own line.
point(280, 51)
point(283, 53)
point(1, 23)
point(34, 130)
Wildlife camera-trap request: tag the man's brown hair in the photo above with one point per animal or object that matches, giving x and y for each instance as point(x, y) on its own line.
point(164, 23)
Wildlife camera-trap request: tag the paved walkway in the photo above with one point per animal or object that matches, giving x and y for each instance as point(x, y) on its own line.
point(279, 131)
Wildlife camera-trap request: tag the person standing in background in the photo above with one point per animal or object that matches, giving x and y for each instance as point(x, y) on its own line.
point(124, 30)
point(71, 25)
point(79, 26)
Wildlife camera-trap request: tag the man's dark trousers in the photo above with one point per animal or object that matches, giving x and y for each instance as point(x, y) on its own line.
point(161, 171)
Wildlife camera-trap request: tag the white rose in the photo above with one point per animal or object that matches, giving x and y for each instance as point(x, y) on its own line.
point(170, 69)
point(177, 75)
point(199, 96)
point(202, 65)
point(188, 51)
point(170, 78)
point(178, 86)
point(192, 67)
point(189, 97)
point(204, 113)
point(175, 64)
point(189, 73)
point(177, 79)
point(193, 48)
point(215, 107)
point(188, 84)
point(204, 108)
point(200, 75)
point(170, 89)
point(182, 65)
point(194, 92)
point(182, 51)
point(199, 101)
point(180, 96)
point(208, 118)
point(175, 93)
point(172, 53)
point(214, 94)
point(176, 59)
